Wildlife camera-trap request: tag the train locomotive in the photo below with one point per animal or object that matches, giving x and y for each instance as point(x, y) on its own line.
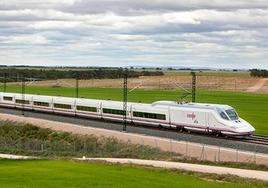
point(212, 118)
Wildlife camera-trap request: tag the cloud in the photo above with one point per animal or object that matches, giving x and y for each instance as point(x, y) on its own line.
point(209, 33)
point(24, 39)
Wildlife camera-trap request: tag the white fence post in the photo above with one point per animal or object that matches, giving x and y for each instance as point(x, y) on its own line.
point(186, 149)
point(219, 154)
point(236, 156)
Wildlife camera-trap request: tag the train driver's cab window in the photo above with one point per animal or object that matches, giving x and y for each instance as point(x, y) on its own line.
point(5, 98)
point(222, 114)
point(232, 114)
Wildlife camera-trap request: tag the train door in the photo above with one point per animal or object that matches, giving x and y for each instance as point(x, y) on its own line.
point(131, 114)
point(75, 107)
point(32, 102)
point(169, 118)
point(212, 122)
point(101, 110)
point(52, 104)
point(207, 120)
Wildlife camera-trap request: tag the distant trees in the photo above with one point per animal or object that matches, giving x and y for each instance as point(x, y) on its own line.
point(14, 74)
point(259, 73)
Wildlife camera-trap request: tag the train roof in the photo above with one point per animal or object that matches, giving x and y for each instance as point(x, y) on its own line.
point(190, 105)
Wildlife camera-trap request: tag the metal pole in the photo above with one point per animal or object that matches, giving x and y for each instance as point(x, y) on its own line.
point(77, 86)
point(193, 86)
point(23, 92)
point(125, 98)
point(5, 82)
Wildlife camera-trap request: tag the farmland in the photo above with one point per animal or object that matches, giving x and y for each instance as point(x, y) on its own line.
point(251, 106)
point(49, 173)
point(212, 82)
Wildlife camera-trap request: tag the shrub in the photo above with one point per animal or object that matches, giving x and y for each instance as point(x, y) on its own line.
point(32, 140)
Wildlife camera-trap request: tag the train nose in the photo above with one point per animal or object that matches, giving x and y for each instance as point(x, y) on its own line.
point(246, 127)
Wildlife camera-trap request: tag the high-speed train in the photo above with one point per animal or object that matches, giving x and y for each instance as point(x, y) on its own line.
point(213, 118)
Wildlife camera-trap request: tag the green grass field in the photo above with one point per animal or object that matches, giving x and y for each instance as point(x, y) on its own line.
point(81, 174)
point(252, 107)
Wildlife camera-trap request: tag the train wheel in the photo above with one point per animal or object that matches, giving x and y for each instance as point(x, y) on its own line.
point(216, 133)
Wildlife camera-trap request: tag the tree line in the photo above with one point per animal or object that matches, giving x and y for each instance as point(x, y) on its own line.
point(259, 73)
point(13, 74)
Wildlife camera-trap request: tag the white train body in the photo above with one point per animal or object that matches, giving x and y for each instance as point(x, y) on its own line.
point(190, 116)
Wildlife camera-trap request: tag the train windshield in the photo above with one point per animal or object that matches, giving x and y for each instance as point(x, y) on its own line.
point(222, 114)
point(232, 114)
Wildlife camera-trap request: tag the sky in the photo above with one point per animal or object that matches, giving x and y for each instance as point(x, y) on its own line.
point(159, 33)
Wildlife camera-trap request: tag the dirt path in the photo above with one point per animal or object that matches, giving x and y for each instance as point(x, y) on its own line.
point(258, 86)
point(16, 157)
point(261, 175)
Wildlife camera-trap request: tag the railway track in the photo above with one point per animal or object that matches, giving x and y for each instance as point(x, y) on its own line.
point(257, 139)
point(253, 139)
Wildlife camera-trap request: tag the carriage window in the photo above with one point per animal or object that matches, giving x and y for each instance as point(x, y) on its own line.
point(65, 106)
point(5, 98)
point(86, 108)
point(113, 111)
point(37, 103)
point(149, 115)
point(19, 101)
point(232, 114)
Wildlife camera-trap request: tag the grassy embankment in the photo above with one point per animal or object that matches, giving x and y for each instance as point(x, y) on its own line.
point(252, 107)
point(31, 140)
point(46, 173)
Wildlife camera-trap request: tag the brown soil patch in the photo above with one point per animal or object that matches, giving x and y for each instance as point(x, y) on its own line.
point(230, 83)
point(260, 86)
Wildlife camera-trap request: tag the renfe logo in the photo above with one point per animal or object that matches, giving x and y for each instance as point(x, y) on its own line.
point(192, 116)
